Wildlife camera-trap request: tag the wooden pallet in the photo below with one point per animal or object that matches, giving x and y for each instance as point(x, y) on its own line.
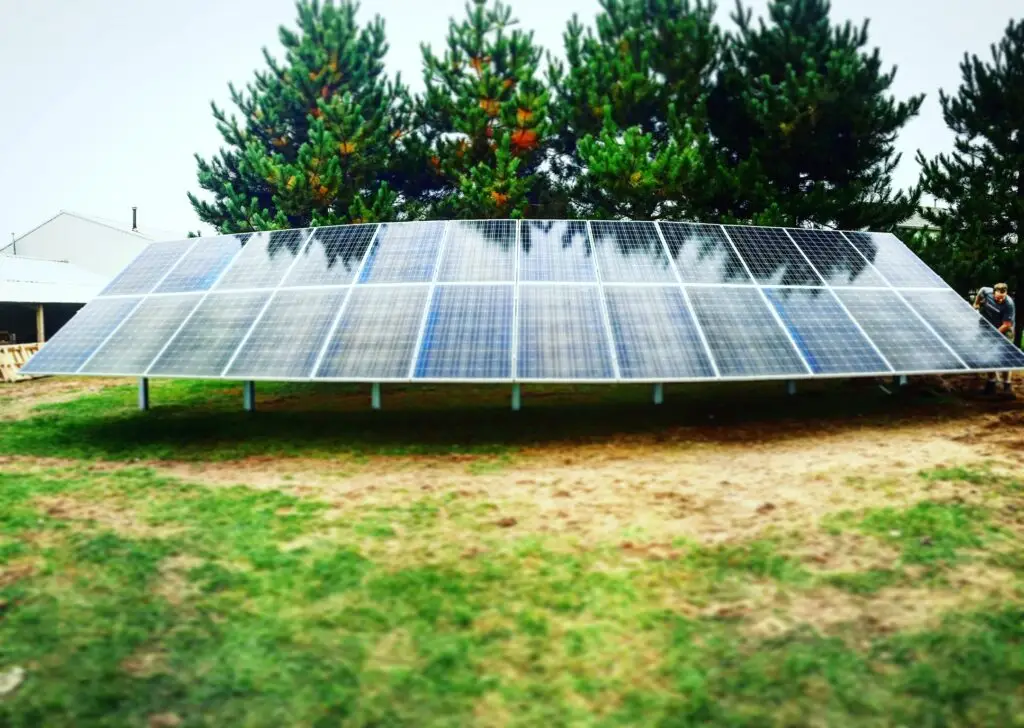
point(12, 358)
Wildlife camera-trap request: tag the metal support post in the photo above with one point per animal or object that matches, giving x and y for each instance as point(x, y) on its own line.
point(249, 395)
point(516, 398)
point(143, 394)
point(659, 393)
point(375, 395)
point(791, 386)
point(903, 379)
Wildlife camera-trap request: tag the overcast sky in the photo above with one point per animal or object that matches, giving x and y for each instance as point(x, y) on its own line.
point(104, 102)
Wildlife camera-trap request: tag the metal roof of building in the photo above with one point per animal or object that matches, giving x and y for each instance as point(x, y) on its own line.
point(31, 280)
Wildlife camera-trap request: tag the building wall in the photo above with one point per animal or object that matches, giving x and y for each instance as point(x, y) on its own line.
point(98, 248)
point(20, 319)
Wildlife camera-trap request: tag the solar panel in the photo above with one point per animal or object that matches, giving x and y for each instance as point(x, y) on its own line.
point(827, 338)
point(655, 334)
point(332, 257)
point(630, 252)
point(202, 266)
point(894, 260)
point(467, 333)
point(480, 250)
point(264, 260)
point(148, 269)
point(745, 338)
point(562, 334)
point(772, 257)
point(835, 259)
point(555, 250)
point(907, 342)
point(530, 300)
point(702, 253)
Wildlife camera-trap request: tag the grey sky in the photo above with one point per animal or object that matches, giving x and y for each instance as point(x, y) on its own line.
point(105, 102)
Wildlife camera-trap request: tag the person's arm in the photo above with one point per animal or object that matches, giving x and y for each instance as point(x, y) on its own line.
point(1011, 311)
point(977, 301)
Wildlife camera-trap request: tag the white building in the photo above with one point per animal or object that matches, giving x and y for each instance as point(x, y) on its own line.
point(104, 247)
point(37, 297)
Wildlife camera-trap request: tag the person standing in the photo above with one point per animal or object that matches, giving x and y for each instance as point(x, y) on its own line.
point(997, 307)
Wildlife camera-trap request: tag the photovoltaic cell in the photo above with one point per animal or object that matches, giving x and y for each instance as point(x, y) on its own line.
point(744, 336)
point(836, 259)
point(655, 335)
point(148, 268)
point(480, 250)
point(826, 336)
point(895, 261)
point(897, 332)
point(555, 250)
point(135, 344)
point(403, 253)
point(972, 337)
point(289, 336)
point(630, 252)
point(376, 336)
point(205, 344)
point(562, 334)
point(702, 254)
point(468, 333)
point(264, 260)
point(772, 257)
point(202, 266)
point(80, 337)
point(332, 257)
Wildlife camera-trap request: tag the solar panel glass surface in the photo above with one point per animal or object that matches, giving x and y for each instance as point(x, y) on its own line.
point(264, 260)
point(894, 260)
point(146, 270)
point(555, 250)
point(332, 256)
point(403, 253)
point(467, 333)
point(772, 257)
point(80, 337)
point(630, 252)
point(480, 250)
point(562, 334)
point(838, 262)
point(702, 253)
point(202, 265)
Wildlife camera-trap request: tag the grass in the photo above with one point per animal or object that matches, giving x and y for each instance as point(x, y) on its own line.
point(128, 594)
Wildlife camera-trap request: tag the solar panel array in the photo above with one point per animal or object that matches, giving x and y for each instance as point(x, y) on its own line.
point(537, 300)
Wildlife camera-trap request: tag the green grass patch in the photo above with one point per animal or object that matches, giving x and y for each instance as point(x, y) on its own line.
point(959, 474)
point(927, 533)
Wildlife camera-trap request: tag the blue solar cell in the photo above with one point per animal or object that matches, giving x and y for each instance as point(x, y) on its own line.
point(148, 268)
point(772, 257)
point(895, 261)
point(204, 345)
point(562, 334)
point(202, 266)
point(972, 337)
point(133, 346)
point(555, 250)
point(744, 336)
point(265, 259)
point(80, 337)
point(332, 256)
point(655, 334)
point(630, 252)
point(289, 336)
point(835, 258)
point(897, 332)
point(404, 253)
point(479, 250)
point(376, 335)
point(826, 336)
point(467, 333)
point(702, 253)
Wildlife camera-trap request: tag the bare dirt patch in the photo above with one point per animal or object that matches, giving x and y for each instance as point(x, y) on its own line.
point(773, 611)
point(109, 514)
point(650, 489)
point(18, 399)
point(172, 583)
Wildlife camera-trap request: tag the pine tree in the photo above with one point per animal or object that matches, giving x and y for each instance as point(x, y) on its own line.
point(801, 106)
point(632, 139)
point(980, 185)
point(319, 135)
point(482, 123)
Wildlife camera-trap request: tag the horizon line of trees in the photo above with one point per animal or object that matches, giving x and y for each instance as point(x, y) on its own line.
point(656, 112)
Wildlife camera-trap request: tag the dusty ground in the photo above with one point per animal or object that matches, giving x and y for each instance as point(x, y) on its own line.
point(644, 493)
